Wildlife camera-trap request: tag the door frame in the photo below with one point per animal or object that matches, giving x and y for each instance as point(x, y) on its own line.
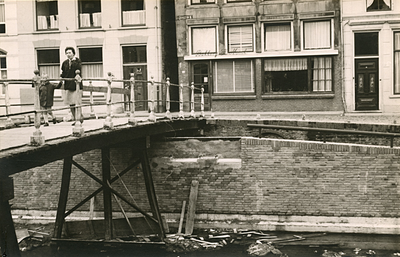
point(376, 87)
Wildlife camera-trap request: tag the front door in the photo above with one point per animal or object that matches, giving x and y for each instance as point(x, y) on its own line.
point(200, 77)
point(140, 72)
point(366, 84)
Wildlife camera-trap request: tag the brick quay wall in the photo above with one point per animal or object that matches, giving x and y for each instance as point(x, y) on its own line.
point(264, 183)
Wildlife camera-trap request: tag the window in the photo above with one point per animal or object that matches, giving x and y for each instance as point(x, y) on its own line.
point(397, 62)
point(92, 62)
point(240, 39)
point(202, 1)
point(47, 14)
point(133, 12)
point(277, 37)
point(2, 17)
point(134, 54)
point(204, 40)
point(49, 62)
point(3, 70)
point(234, 76)
point(298, 74)
point(89, 13)
point(366, 44)
point(320, 28)
point(379, 5)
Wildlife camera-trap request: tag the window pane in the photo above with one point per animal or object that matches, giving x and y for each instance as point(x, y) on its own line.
point(378, 5)
point(204, 40)
point(48, 56)
point(89, 13)
point(133, 12)
point(132, 5)
point(2, 12)
point(224, 75)
point(3, 63)
point(47, 14)
point(92, 70)
point(240, 39)
point(243, 76)
point(366, 43)
point(53, 71)
point(322, 74)
point(91, 54)
point(134, 54)
point(277, 37)
point(320, 28)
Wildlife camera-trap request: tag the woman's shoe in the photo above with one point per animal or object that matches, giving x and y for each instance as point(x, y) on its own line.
point(54, 121)
point(46, 124)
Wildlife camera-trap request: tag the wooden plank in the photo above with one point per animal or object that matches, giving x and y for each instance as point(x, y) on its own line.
point(106, 173)
point(191, 207)
point(182, 216)
point(62, 201)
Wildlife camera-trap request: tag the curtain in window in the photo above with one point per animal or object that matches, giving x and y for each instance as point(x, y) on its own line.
point(53, 71)
point(317, 34)
point(54, 21)
point(203, 40)
point(240, 39)
point(285, 64)
point(133, 17)
point(322, 74)
point(243, 76)
point(224, 72)
point(92, 71)
point(42, 22)
point(85, 19)
point(277, 37)
point(397, 63)
point(96, 19)
point(2, 12)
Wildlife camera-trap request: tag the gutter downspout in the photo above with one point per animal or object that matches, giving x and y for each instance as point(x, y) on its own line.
point(342, 56)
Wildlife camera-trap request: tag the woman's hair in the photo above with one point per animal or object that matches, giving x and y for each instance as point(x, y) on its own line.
point(70, 48)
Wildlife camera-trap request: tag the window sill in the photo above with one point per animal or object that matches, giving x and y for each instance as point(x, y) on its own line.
point(394, 97)
point(299, 96)
point(47, 31)
point(233, 97)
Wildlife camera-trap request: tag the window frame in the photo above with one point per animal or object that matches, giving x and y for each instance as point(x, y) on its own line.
point(310, 77)
point(331, 35)
point(91, 18)
point(264, 36)
point(227, 46)
point(85, 63)
point(215, 78)
point(396, 78)
point(48, 17)
point(215, 42)
point(139, 12)
point(55, 65)
point(3, 23)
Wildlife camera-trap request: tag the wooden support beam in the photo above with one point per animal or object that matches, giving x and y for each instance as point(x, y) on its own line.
point(192, 207)
point(8, 239)
point(106, 173)
point(62, 201)
point(151, 193)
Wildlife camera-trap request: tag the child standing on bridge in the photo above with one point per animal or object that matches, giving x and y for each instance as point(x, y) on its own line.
point(46, 96)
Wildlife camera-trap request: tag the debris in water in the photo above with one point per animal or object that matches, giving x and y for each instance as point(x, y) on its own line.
point(262, 250)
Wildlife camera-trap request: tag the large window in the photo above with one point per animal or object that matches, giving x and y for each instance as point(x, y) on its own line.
point(92, 62)
point(379, 5)
point(204, 40)
point(49, 62)
point(47, 14)
point(240, 39)
point(277, 37)
point(234, 76)
point(89, 13)
point(133, 12)
point(397, 62)
point(298, 74)
point(2, 17)
point(317, 34)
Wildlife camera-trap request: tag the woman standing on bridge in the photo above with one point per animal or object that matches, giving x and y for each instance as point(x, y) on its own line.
point(68, 70)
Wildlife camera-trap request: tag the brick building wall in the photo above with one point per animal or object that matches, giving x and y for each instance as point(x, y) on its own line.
point(250, 177)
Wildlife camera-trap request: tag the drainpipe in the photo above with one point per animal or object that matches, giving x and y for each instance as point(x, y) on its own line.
point(157, 54)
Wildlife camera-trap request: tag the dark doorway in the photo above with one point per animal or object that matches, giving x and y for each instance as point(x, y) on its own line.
point(366, 84)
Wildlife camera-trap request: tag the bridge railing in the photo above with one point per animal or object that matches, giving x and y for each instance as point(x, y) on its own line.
point(38, 80)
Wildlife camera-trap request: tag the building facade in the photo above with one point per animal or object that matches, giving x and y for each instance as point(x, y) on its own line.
point(254, 55)
point(371, 39)
point(119, 36)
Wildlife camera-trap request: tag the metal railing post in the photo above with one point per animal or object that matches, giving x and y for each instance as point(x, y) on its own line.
point(78, 129)
point(168, 101)
point(192, 113)
point(108, 124)
point(202, 102)
point(181, 114)
point(37, 138)
point(9, 122)
point(152, 116)
point(132, 120)
point(92, 113)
